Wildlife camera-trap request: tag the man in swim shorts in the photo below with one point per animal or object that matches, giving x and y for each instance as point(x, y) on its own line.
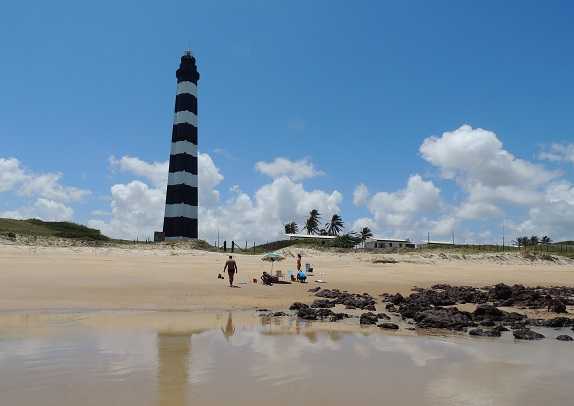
point(232, 269)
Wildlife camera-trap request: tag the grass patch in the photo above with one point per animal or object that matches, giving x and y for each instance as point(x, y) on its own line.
point(10, 228)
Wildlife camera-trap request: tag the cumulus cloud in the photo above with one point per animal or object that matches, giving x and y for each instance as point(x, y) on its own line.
point(558, 153)
point(296, 170)
point(360, 195)
point(11, 174)
point(402, 213)
point(14, 177)
point(44, 209)
point(45, 197)
point(155, 172)
point(136, 211)
point(137, 208)
point(554, 216)
point(262, 216)
point(476, 157)
point(398, 208)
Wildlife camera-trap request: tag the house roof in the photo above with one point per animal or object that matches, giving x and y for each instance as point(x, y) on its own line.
point(387, 239)
point(316, 236)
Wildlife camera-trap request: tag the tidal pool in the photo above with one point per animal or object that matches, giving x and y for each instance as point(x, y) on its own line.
point(67, 361)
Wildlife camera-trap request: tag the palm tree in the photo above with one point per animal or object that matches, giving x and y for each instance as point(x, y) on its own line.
point(312, 223)
point(365, 234)
point(335, 226)
point(546, 240)
point(291, 228)
point(534, 240)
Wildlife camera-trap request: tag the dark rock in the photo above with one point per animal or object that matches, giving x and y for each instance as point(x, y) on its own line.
point(479, 332)
point(502, 291)
point(410, 310)
point(279, 314)
point(370, 307)
point(558, 322)
point(447, 318)
point(391, 307)
point(486, 311)
point(314, 290)
point(501, 329)
point(396, 299)
point(527, 334)
point(564, 337)
point(558, 306)
point(324, 313)
point(487, 323)
point(338, 316)
point(262, 310)
point(306, 313)
point(368, 318)
point(383, 316)
point(298, 306)
point(322, 303)
point(389, 326)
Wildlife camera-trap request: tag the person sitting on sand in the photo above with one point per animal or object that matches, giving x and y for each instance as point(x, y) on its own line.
point(301, 277)
point(232, 269)
point(268, 279)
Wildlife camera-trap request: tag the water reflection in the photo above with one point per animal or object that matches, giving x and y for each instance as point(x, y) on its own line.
point(257, 364)
point(174, 352)
point(229, 329)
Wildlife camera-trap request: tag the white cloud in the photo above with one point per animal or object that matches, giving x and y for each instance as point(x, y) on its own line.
point(11, 174)
point(155, 172)
point(476, 160)
point(400, 207)
point(261, 217)
point(14, 177)
point(137, 209)
point(478, 155)
point(296, 170)
point(558, 153)
point(403, 213)
point(554, 216)
point(360, 195)
point(44, 209)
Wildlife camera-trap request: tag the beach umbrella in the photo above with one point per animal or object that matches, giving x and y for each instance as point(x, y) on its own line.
point(272, 257)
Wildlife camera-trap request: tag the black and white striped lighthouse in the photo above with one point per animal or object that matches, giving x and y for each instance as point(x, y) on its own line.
point(180, 220)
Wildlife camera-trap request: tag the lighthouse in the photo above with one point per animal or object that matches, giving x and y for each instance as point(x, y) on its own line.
point(181, 200)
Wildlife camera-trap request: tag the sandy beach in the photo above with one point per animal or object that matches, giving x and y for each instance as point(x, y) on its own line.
point(176, 278)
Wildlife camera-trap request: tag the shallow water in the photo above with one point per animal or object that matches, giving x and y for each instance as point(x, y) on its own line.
point(66, 362)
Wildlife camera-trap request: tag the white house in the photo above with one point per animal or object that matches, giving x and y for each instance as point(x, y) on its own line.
point(385, 243)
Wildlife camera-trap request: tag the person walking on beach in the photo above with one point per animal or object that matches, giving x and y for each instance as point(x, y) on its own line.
point(298, 262)
point(232, 269)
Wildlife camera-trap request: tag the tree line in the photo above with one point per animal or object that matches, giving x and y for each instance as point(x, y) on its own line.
point(526, 241)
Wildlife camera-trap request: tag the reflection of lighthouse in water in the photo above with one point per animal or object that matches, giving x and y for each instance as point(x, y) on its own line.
point(181, 202)
point(174, 352)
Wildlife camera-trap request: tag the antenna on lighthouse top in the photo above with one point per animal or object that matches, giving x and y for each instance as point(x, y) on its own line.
point(188, 53)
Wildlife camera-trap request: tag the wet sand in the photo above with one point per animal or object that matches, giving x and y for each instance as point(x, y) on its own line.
point(82, 278)
point(76, 358)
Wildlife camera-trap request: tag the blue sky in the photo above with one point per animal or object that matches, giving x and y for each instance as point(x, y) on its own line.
point(351, 88)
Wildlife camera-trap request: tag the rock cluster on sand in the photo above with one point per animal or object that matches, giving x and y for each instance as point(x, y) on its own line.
point(564, 337)
point(435, 308)
point(306, 312)
point(362, 301)
point(527, 334)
